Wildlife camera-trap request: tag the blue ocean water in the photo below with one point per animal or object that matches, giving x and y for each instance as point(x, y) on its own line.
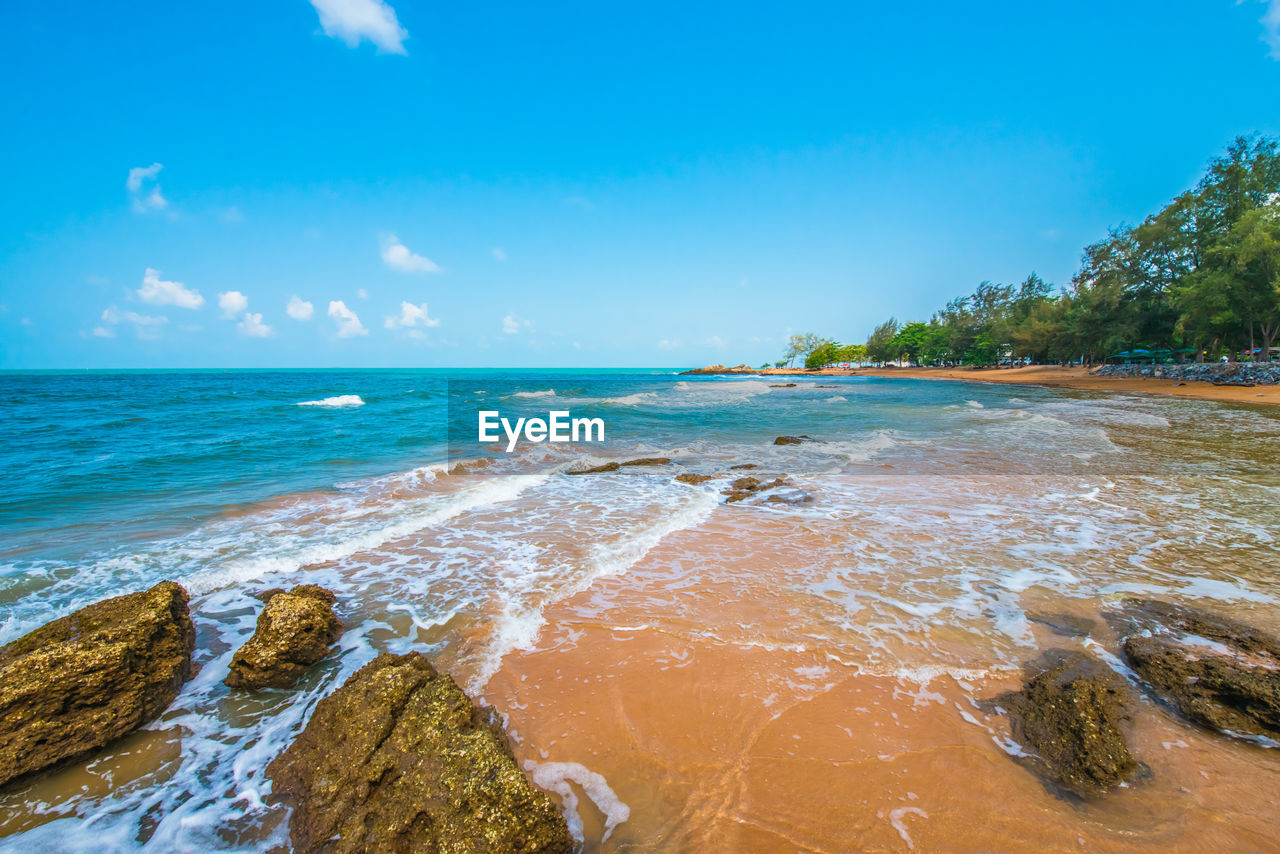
point(930, 519)
point(90, 459)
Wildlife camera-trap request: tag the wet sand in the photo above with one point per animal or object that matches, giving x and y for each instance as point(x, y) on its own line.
point(720, 736)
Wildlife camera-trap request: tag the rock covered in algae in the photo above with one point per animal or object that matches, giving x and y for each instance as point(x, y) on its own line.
point(399, 759)
point(1069, 714)
point(79, 682)
point(1216, 671)
point(745, 487)
point(295, 630)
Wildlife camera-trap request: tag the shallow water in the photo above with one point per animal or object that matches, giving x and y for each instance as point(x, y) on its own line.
point(685, 674)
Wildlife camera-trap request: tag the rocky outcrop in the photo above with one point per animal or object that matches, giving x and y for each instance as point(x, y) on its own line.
point(790, 440)
point(648, 461)
point(1230, 373)
point(607, 467)
point(1216, 671)
point(79, 682)
point(693, 479)
point(745, 487)
point(743, 466)
point(783, 385)
point(1069, 715)
point(398, 759)
point(295, 630)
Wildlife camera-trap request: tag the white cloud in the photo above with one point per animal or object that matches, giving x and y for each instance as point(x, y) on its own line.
point(512, 324)
point(146, 326)
point(26, 321)
point(668, 344)
point(253, 326)
point(140, 178)
point(362, 293)
point(232, 303)
point(348, 321)
point(299, 309)
point(232, 214)
point(412, 315)
point(159, 292)
point(1271, 27)
point(499, 253)
point(715, 341)
point(353, 20)
point(398, 257)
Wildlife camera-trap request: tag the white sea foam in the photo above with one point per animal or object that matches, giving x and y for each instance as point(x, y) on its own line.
point(486, 491)
point(896, 819)
point(556, 777)
point(632, 399)
point(527, 394)
point(338, 402)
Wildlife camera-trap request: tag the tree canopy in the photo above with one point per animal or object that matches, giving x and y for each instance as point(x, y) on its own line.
point(1200, 275)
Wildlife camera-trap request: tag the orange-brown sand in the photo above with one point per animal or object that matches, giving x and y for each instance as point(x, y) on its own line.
point(1051, 376)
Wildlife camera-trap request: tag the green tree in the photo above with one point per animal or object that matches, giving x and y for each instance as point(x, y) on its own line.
point(801, 345)
point(880, 342)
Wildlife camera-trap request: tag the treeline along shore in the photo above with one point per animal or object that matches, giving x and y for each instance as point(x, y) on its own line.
point(1187, 300)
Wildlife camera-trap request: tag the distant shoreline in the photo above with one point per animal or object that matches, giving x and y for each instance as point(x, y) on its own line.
point(1048, 376)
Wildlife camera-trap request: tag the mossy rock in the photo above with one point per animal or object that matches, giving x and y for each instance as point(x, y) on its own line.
point(399, 759)
point(295, 630)
point(602, 469)
point(1070, 714)
point(1230, 684)
point(82, 681)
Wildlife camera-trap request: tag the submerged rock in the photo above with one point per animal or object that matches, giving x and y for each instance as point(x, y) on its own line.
point(648, 461)
point(1069, 715)
point(693, 479)
point(788, 440)
point(745, 487)
point(79, 682)
point(1067, 625)
point(1216, 671)
point(398, 759)
point(783, 385)
point(295, 630)
point(743, 466)
point(607, 467)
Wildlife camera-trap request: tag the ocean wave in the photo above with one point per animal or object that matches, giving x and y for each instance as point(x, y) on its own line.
point(548, 393)
point(335, 402)
point(631, 399)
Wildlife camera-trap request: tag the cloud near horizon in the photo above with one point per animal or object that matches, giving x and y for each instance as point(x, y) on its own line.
point(398, 257)
point(411, 316)
point(353, 20)
point(299, 309)
point(232, 303)
point(146, 327)
point(511, 324)
point(348, 321)
point(253, 326)
point(156, 291)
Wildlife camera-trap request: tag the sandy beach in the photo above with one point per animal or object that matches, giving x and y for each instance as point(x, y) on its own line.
point(1048, 376)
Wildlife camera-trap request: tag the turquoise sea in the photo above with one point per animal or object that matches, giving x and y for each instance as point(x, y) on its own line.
point(936, 517)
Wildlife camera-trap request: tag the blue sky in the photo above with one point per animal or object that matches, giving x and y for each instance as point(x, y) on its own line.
point(577, 184)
